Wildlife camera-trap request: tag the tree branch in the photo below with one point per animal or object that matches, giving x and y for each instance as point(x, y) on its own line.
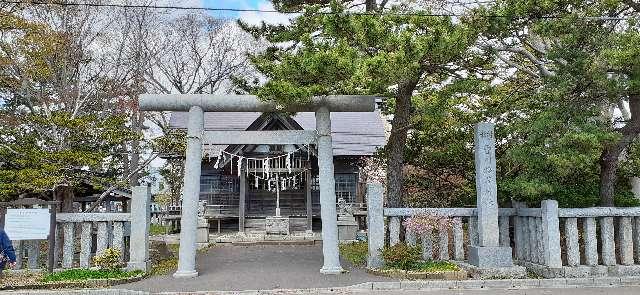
point(540, 65)
point(626, 114)
point(113, 187)
point(517, 66)
point(632, 4)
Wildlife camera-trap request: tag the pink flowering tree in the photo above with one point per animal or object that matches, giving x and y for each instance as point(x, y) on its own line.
point(424, 223)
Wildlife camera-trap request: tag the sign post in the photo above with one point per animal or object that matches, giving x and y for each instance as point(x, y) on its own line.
point(24, 223)
point(27, 224)
point(53, 207)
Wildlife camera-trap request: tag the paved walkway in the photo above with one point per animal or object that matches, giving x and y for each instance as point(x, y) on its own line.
point(257, 268)
point(559, 291)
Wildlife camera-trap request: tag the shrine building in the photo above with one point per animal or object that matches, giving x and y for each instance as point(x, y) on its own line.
point(241, 185)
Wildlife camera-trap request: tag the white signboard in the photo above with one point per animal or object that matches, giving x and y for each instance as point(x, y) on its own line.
point(27, 224)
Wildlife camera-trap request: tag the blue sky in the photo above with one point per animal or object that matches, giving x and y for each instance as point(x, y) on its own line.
point(239, 4)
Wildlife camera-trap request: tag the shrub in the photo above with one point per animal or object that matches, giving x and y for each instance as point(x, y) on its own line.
point(356, 252)
point(401, 256)
point(109, 259)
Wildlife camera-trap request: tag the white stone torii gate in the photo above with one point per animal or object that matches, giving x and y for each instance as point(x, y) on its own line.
point(197, 104)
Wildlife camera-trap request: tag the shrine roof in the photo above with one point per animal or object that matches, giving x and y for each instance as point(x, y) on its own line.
point(353, 133)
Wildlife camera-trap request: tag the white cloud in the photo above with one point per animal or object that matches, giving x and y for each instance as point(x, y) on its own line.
point(255, 18)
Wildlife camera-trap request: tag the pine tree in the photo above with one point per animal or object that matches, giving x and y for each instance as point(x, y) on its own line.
point(386, 52)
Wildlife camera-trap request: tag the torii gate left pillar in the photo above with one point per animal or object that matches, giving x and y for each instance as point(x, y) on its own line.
point(198, 104)
point(192, 172)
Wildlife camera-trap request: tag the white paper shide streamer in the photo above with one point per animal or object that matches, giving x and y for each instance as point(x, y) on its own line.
point(271, 172)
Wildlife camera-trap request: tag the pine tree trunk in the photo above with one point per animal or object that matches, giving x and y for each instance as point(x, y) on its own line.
point(64, 194)
point(610, 156)
point(608, 177)
point(370, 5)
point(397, 143)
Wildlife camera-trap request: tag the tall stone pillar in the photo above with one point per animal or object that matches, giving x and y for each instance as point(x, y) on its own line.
point(487, 253)
point(191, 194)
point(327, 194)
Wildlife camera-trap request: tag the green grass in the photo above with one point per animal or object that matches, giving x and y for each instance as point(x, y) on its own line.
point(435, 266)
point(429, 266)
point(157, 230)
point(164, 267)
point(169, 265)
point(355, 252)
point(88, 274)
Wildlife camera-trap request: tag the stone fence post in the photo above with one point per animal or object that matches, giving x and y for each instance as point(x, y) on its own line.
point(551, 233)
point(520, 233)
point(140, 223)
point(375, 224)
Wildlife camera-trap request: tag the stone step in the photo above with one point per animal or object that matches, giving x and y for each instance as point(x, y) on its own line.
point(252, 225)
point(274, 243)
point(255, 224)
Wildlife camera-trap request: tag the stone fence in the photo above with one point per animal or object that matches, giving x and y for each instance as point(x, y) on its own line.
point(581, 242)
point(463, 218)
point(449, 244)
point(549, 241)
point(80, 236)
point(109, 229)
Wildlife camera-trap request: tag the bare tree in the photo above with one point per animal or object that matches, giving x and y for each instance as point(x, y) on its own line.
point(193, 53)
point(109, 56)
point(80, 79)
point(97, 68)
point(199, 55)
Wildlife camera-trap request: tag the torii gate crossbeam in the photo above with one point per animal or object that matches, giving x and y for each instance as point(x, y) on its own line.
point(197, 104)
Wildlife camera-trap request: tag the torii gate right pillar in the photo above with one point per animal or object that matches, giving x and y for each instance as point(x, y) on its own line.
point(328, 212)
